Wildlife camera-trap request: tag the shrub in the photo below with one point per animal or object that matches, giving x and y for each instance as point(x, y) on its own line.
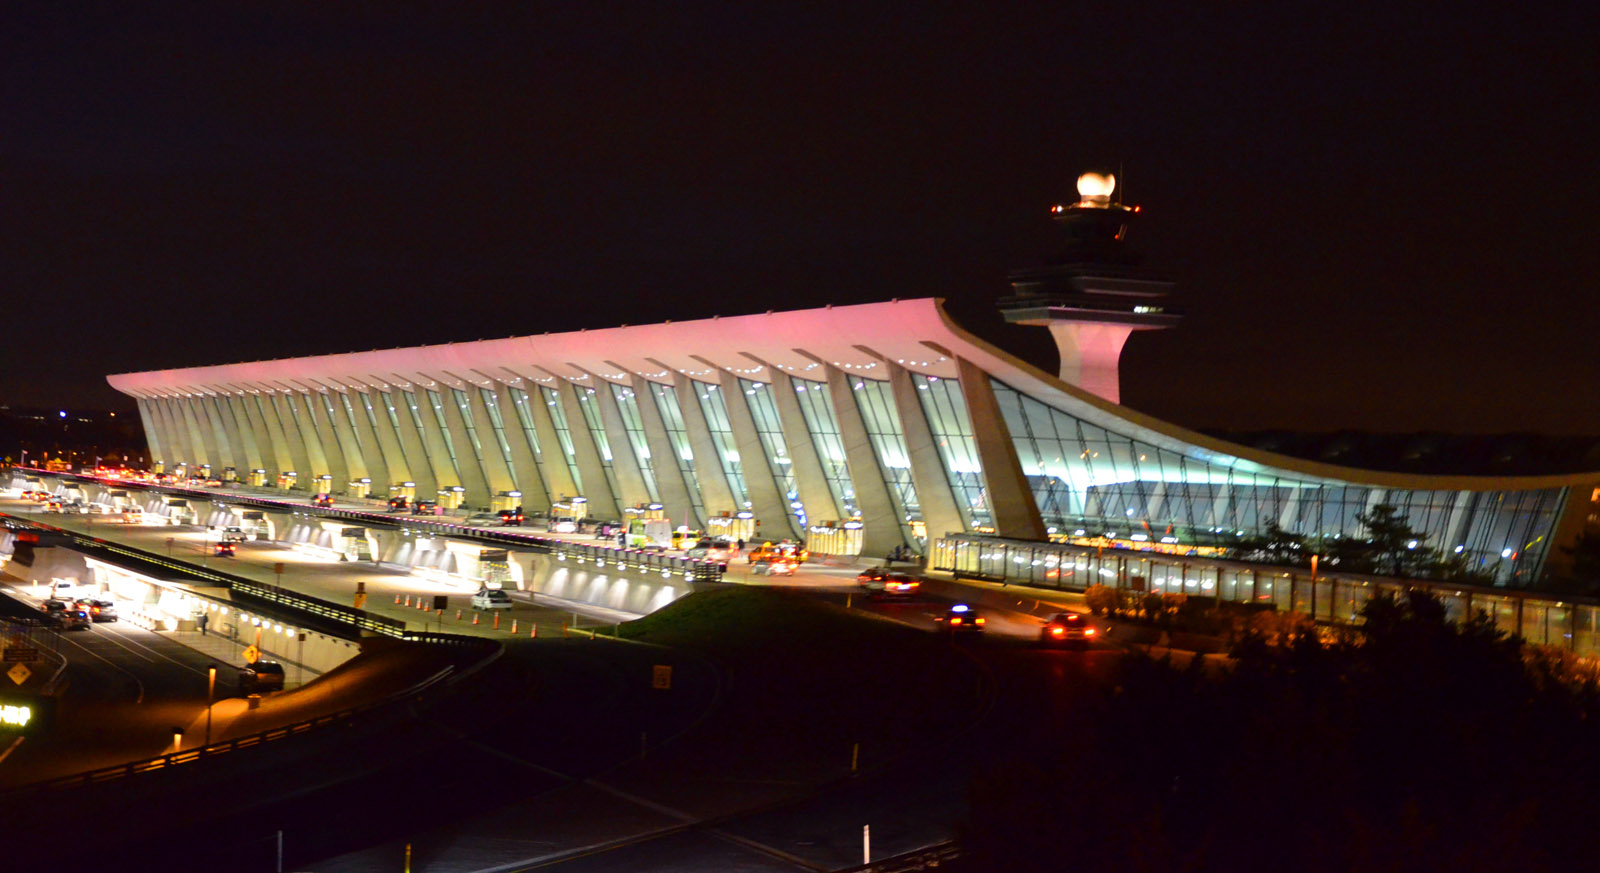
point(1102, 599)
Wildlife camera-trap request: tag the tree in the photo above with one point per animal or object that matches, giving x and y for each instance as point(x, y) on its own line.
point(1273, 546)
point(1397, 549)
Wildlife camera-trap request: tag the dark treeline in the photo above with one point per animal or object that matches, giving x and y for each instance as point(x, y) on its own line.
point(1418, 745)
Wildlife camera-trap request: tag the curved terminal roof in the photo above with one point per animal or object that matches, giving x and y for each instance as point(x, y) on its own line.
point(861, 340)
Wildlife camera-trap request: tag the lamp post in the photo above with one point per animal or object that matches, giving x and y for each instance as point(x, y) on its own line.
point(211, 696)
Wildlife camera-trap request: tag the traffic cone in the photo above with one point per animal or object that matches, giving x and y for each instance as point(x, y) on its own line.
point(397, 600)
point(497, 621)
point(513, 625)
point(408, 600)
point(458, 615)
point(474, 618)
point(534, 634)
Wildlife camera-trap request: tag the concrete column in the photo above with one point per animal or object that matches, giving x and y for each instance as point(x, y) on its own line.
point(262, 415)
point(530, 474)
point(714, 488)
point(625, 463)
point(770, 505)
point(211, 422)
point(469, 457)
point(602, 503)
point(177, 434)
point(248, 457)
point(809, 477)
point(325, 428)
point(294, 438)
point(392, 458)
point(495, 463)
point(152, 434)
point(883, 525)
point(419, 446)
point(342, 430)
point(364, 442)
point(204, 444)
point(940, 512)
point(675, 493)
point(558, 474)
point(1011, 501)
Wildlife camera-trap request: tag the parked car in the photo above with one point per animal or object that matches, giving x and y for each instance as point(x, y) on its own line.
point(261, 676)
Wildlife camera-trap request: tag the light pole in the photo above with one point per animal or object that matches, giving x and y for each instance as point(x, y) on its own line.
point(211, 696)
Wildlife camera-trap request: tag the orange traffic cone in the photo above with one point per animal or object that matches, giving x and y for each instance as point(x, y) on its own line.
point(474, 618)
point(534, 634)
point(458, 615)
point(497, 621)
point(397, 600)
point(408, 600)
point(513, 625)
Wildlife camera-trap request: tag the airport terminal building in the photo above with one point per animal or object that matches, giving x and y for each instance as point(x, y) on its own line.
point(858, 429)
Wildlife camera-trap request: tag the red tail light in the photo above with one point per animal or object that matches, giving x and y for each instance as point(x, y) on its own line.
point(980, 620)
point(1058, 631)
point(1088, 632)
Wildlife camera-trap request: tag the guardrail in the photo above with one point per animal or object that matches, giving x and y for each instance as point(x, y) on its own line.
point(695, 569)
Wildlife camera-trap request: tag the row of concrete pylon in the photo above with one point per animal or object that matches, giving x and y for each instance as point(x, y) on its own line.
point(423, 605)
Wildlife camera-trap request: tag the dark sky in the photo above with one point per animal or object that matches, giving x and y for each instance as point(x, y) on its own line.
point(1384, 215)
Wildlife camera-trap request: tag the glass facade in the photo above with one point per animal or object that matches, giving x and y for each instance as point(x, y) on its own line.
point(716, 413)
point(590, 404)
point(817, 408)
point(519, 400)
point(1331, 597)
point(1091, 481)
point(491, 403)
point(764, 412)
point(946, 410)
point(678, 435)
point(393, 465)
point(628, 405)
point(444, 431)
point(558, 417)
point(882, 422)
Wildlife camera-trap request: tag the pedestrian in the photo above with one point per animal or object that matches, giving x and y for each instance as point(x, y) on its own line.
point(203, 621)
point(740, 545)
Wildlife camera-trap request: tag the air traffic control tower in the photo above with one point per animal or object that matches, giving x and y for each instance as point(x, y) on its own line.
point(1096, 292)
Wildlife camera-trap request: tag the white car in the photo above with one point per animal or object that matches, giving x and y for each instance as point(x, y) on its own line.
point(491, 598)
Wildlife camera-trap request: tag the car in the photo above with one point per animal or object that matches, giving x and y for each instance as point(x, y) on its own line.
point(491, 598)
point(52, 505)
point(226, 550)
point(512, 517)
point(75, 619)
point(261, 676)
point(323, 500)
point(962, 619)
point(424, 507)
point(888, 581)
point(54, 607)
point(399, 503)
point(99, 610)
point(1067, 627)
point(234, 535)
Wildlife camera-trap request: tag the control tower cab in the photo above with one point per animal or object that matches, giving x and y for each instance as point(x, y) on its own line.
point(1096, 292)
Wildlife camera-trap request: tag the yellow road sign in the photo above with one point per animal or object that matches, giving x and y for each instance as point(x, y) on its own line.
point(19, 674)
point(252, 654)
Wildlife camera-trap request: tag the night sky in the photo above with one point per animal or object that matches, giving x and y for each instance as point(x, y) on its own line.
point(1383, 215)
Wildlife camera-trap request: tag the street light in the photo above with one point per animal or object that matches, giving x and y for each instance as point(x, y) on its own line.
point(211, 696)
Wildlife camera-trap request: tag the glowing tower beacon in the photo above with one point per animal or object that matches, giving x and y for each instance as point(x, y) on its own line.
point(1096, 293)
